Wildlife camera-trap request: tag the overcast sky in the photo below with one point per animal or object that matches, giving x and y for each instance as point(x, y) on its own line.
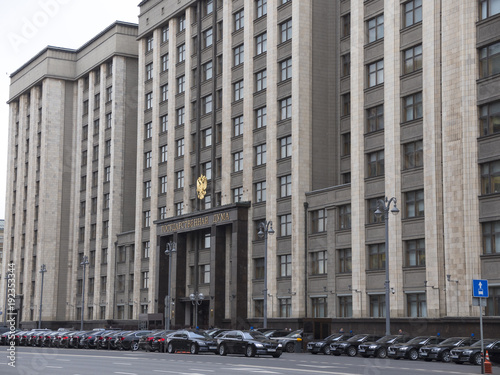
point(28, 26)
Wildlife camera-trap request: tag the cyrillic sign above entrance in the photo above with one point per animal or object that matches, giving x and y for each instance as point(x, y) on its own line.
point(194, 223)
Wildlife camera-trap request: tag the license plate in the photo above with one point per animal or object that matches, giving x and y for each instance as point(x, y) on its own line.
point(212, 347)
point(271, 350)
point(423, 354)
point(391, 352)
point(361, 350)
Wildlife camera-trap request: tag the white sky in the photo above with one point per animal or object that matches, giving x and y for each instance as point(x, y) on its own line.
point(28, 26)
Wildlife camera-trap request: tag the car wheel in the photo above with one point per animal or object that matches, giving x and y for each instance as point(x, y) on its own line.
point(413, 354)
point(193, 348)
point(476, 359)
point(290, 347)
point(222, 350)
point(445, 357)
point(326, 350)
point(170, 348)
point(250, 351)
point(382, 353)
point(134, 346)
point(351, 351)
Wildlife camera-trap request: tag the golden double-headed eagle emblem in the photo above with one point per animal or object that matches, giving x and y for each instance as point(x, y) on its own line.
point(201, 186)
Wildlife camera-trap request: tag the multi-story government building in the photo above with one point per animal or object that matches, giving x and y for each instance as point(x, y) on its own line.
point(251, 143)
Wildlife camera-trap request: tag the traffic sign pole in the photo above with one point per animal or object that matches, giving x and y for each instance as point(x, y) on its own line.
point(480, 290)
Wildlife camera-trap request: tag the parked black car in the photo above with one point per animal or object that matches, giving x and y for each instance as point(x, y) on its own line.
point(146, 342)
point(409, 350)
point(350, 346)
point(323, 346)
point(159, 342)
point(472, 354)
point(130, 341)
point(249, 343)
point(379, 347)
point(190, 341)
point(441, 351)
point(289, 341)
point(276, 333)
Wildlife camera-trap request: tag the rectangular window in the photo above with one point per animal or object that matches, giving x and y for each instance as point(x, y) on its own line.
point(412, 59)
point(258, 266)
point(164, 63)
point(344, 217)
point(149, 71)
point(261, 80)
point(491, 237)
point(377, 306)
point(180, 147)
point(376, 73)
point(148, 159)
point(412, 107)
point(239, 21)
point(319, 260)
point(261, 43)
point(285, 306)
point(107, 174)
point(149, 100)
point(345, 306)
point(239, 55)
point(238, 90)
point(163, 184)
point(206, 170)
point(345, 100)
point(416, 305)
point(412, 12)
point(238, 126)
point(147, 189)
point(376, 256)
point(490, 177)
point(163, 153)
point(261, 117)
point(319, 307)
point(181, 84)
point(207, 71)
point(286, 69)
point(286, 108)
point(286, 31)
point(164, 34)
point(109, 120)
point(258, 308)
point(207, 104)
point(180, 179)
point(375, 118)
point(179, 208)
point(285, 262)
point(345, 25)
point(285, 147)
point(286, 225)
point(489, 118)
point(162, 212)
point(346, 65)
point(109, 94)
point(261, 8)
point(181, 53)
point(318, 221)
point(237, 194)
point(181, 116)
point(260, 154)
point(146, 219)
point(372, 207)
point(149, 43)
point(206, 137)
point(346, 144)
point(148, 130)
point(207, 38)
point(415, 253)
point(344, 260)
point(145, 279)
point(182, 22)
point(375, 163)
point(489, 60)
point(413, 155)
point(375, 28)
point(286, 186)
point(260, 191)
point(164, 123)
point(414, 204)
point(146, 247)
point(97, 101)
point(164, 93)
point(238, 161)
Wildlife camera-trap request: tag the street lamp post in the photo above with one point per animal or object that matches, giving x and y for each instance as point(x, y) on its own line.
point(84, 264)
point(265, 228)
point(196, 300)
point(385, 206)
point(168, 300)
point(43, 269)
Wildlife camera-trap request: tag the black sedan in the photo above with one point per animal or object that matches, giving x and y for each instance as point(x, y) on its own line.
point(290, 341)
point(190, 341)
point(379, 347)
point(472, 354)
point(323, 346)
point(130, 341)
point(441, 351)
point(249, 343)
point(350, 346)
point(409, 350)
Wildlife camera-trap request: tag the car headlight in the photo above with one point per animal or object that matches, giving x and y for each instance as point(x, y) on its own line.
point(373, 346)
point(467, 352)
point(279, 345)
point(435, 350)
point(403, 348)
point(319, 343)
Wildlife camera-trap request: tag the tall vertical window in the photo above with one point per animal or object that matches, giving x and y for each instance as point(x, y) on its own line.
point(206, 137)
point(207, 71)
point(413, 155)
point(146, 215)
point(346, 144)
point(239, 20)
point(180, 147)
point(376, 73)
point(237, 194)
point(149, 71)
point(208, 7)
point(148, 159)
point(261, 43)
point(286, 69)
point(258, 265)
point(345, 306)
point(238, 90)
point(148, 130)
point(286, 31)
point(164, 34)
point(181, 84)
point(372, 207)
point(260, 154)
point(345, 25)
point(376, 256)
point(239, 55)
point(164, 92)
point(164, 123)
point(414, 204)
point(261, 117)
point(285, 306)
point(416, 305)
point(318, 221)
point(149, 43)
point(164, 63)
point(285, 262)
point(163, 184)
point(207, 104)
point(489, 60)
point(345, 101)
point(261, 80)
point(207, 38)
point(344, 260)
point(206, 170)
point(286, 108)
point(285, 225)
point(412, 59)
point(375, 163)
point(377, 306)
point(179, 179)
point(147, 189)
point(346, 65)
point(149, 100)
point(285, 147)
point(107, 174)
point(162, 212)
point(163, 153)
point(344, 212)
point(375, 28)
point(491, 237)
point(109, 94)
point(319, 261)
point(182, 22)
point(181, 116)
point(415, 253)
point(146, 248)
point(260, 191)
point(285, 186)
point(237, 126)
point(375, 118)
point(181, 53)
point(238, 161)
point(261, 8)
point(490, 177)
point(412, 12)
point(412, 107)
point(145, 279)
point(109, 120)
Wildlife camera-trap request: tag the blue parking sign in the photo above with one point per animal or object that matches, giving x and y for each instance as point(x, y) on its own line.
point(480, 288)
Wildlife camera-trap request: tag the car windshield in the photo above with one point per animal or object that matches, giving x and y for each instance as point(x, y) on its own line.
point(198, 335)
point(418, 340)
point(356, 338)
point(386, 339)
point(487, 342)
point(253, 335)
point(333, 337)
point(452, 341)
point(294, 334)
